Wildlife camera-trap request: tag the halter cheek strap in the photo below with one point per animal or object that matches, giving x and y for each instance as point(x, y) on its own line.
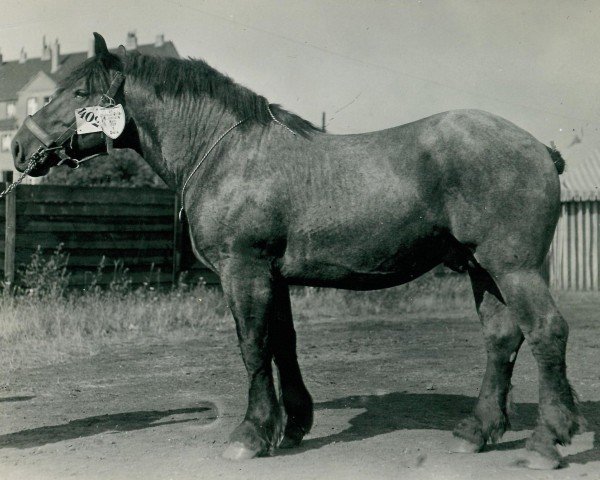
point(47, 141)
point(108, 98)
point(38, 132)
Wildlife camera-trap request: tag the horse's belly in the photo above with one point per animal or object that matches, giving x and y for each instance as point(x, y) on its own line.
point(368, 262)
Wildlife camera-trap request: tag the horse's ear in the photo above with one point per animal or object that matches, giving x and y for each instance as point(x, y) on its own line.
point(100, 47)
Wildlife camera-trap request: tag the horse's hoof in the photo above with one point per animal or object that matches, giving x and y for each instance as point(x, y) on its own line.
point(290, 442)
point(238, 451)
point(292, 437)
point(460, 445)
point(536, 461)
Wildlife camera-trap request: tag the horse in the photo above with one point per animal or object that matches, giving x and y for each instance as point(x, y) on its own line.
point(272, 201)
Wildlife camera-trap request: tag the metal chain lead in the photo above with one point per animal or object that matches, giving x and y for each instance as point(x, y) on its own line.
point(182, 208)
point(201, 162)
point(30, 166)
point(277, 121)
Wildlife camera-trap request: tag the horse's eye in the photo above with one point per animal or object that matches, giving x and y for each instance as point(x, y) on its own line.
point(81, 94)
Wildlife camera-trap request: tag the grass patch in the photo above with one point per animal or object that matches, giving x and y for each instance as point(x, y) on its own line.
point(49, 329)
point(42, 321)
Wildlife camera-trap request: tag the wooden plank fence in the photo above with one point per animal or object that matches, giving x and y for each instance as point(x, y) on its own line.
point(135, 226)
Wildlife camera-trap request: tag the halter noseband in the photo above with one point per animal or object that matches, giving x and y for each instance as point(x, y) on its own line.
point(58, 145)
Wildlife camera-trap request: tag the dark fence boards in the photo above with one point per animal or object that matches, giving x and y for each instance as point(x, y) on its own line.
point(136, 227)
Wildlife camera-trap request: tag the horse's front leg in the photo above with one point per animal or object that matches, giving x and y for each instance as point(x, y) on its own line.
point(282, 341)
point(248, 288)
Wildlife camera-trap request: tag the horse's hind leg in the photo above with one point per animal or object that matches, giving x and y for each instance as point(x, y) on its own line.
point(503, 338)
point(282, 341)
point(529, 299)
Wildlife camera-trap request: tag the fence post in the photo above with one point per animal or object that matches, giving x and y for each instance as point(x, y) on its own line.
point(177, 231)
point(10, 229)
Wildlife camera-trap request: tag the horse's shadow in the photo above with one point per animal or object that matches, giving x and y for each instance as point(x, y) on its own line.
point(20, 398)
point(408, 411)
point(382, 414)
point(119, 422)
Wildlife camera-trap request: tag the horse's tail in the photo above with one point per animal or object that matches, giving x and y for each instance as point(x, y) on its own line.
point(559, 161)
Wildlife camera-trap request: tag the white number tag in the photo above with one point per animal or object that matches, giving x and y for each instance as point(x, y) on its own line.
point(87, 120)
point(110, 120)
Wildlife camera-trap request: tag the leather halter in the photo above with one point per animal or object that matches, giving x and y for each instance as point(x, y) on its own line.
point(58, 145)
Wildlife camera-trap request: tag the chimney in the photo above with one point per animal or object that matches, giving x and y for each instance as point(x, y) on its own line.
point(1, 60)
point(131, 43)
point(45, 50)
point(91, 51)
point(23, 56)
point(55, 53)
point(160, 40)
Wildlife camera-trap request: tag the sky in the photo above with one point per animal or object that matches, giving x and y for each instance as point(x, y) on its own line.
point(368, 64)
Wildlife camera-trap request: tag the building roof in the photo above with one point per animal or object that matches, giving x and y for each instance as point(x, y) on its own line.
point(581, 179)
point(14, 75)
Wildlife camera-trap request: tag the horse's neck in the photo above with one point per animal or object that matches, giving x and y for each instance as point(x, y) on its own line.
point(175, 133)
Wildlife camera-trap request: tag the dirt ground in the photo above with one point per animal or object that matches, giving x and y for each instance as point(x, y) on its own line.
point(387, 392)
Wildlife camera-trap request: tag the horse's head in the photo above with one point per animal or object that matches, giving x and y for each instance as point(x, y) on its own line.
point(51, 137)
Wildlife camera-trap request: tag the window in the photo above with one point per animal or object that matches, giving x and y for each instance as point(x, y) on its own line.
point(32, 105)
point(5, 139)
point(11, 109)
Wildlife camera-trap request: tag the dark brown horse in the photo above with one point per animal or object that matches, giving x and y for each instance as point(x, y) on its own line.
point(273, 202)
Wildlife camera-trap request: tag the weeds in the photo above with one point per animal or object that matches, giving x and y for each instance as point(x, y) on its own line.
point(44, 277)
point(426, 295)
point(44, 315)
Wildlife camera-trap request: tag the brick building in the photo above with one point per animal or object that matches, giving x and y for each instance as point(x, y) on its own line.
point(26, 84)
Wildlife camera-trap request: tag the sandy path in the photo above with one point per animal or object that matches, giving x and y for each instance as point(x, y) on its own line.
point(387, 393)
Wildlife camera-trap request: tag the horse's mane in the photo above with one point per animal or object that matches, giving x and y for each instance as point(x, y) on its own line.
point(176, 77)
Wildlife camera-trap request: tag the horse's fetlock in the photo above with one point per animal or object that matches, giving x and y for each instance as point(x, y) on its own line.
point(251, 437)
point(470, 429)
point(493, 429)
point(561, 421)
point(544, 442)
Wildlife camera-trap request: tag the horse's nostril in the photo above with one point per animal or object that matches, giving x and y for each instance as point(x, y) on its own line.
point(16, 150)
